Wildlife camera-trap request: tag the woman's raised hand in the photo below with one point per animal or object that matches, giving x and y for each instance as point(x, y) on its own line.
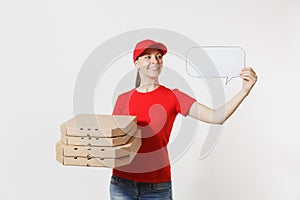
point(249, 79)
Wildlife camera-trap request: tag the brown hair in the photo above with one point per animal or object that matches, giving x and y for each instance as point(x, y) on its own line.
point(137, 80)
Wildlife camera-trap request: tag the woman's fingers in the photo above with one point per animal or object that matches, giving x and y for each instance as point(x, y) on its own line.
point(248, 72)
point(248, 69)
point(247, 76)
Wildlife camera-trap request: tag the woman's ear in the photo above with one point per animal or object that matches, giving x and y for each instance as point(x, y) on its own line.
point(136, 65)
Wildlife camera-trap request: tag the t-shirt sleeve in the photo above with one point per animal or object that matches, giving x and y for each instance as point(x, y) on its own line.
point(117, 109)
point(183, 101)
point(122, 104)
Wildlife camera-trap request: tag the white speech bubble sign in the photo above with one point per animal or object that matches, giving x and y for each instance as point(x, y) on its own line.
point(227, 60)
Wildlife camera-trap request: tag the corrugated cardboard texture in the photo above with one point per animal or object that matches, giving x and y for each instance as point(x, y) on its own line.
point(98, 125)
point(98, 141)
point(92, 161)
point(101, 152)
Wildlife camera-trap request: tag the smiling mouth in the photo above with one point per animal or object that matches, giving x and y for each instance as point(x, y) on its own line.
point(154, 68)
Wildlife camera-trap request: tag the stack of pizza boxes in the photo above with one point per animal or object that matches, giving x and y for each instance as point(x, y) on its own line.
point(98, 141)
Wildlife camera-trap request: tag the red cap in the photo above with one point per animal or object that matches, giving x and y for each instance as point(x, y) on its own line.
point(141, 46)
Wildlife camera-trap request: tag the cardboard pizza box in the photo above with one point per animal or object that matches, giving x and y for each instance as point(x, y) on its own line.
point(92, 161)
point(101, 152)
point(98, 125)
point(98, 141)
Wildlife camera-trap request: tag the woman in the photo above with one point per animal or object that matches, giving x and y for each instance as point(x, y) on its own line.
point(156, 107)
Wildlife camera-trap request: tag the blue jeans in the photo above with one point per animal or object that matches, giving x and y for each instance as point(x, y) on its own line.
point(124, 189)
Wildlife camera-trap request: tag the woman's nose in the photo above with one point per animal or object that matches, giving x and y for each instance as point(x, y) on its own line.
point(154, 60)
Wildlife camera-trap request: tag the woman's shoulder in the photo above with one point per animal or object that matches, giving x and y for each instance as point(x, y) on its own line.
point(179, 94)
point(172, 93)
point(126, 94)
point(172, 90)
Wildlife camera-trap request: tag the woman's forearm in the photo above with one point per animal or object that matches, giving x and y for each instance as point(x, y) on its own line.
point(221, 114)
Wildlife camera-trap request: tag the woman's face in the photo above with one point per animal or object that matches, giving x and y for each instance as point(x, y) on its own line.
point(149, 63)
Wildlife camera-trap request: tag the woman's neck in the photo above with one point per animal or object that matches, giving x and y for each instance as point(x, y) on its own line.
point(148, 86)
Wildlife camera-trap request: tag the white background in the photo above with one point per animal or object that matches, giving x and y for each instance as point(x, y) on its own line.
point(43, 45)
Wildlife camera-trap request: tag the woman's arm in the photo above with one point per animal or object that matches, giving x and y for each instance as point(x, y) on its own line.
point(220, 115)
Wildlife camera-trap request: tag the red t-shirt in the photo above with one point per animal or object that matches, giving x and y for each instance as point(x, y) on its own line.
point(156, 111)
